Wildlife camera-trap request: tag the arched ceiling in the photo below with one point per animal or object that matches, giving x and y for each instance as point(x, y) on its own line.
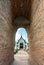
point(21, 8)
point(21, 21)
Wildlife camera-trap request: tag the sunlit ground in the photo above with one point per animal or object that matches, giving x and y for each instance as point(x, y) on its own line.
point(21, 58)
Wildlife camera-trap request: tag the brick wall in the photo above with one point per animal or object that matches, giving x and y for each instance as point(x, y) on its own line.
point(37, 33)
point(6, 33)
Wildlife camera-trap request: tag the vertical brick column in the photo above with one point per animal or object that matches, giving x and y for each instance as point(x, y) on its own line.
point(6, 33)
point(37, 33)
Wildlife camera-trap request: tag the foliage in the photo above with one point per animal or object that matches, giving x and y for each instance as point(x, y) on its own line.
point(15, 50)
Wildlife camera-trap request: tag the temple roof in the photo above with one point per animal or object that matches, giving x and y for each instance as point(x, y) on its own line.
point(22, 38)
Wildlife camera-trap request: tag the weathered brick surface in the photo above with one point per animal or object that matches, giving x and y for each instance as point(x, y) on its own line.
point(5, 9)
point(37, 32)
point(6, 43)
point(6, 33)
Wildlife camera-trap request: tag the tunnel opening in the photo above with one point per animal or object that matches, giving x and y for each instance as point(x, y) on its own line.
point(21, 39)
point(21, 43)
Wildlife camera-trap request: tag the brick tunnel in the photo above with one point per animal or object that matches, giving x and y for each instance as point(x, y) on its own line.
point(31, 10)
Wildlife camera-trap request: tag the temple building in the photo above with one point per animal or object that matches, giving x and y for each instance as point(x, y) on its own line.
point(21, 44)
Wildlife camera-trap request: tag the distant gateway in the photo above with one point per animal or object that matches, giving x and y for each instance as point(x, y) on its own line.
point(21, 44)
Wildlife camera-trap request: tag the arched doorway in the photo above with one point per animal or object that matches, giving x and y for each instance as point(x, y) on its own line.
point(21, 39)
point(21, 45)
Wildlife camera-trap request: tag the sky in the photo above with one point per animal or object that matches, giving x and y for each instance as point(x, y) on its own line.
point(21, 32)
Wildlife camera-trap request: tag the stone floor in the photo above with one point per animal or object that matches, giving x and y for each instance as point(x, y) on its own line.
point(21, 58)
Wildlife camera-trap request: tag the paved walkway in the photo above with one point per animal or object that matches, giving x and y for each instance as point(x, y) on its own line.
point(21, 58)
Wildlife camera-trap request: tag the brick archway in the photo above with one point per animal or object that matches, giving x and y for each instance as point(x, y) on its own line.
point(34, 12)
